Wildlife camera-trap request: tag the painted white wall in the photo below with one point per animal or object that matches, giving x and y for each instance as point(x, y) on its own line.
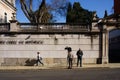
point(5, 9)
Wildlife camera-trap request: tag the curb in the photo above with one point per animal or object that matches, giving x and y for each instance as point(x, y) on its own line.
point(58, 67)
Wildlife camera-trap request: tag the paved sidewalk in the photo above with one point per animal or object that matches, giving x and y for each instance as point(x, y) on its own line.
point(113, 65)
point(110, 65)
point(22, 67)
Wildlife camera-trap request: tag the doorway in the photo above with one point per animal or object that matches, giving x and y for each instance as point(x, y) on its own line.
point(114, 46)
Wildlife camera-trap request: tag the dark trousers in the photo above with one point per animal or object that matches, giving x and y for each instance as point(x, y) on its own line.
point(70, 63)
point(79, 61)
point(39, 61)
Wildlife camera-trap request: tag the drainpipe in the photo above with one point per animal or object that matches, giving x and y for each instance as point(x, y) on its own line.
point(100, 25)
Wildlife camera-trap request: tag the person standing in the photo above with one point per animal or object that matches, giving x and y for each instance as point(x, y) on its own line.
point(79, 57)
point(69, 57)
point(39, 59)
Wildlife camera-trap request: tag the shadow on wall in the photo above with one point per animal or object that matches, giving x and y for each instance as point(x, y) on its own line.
point(31, 62)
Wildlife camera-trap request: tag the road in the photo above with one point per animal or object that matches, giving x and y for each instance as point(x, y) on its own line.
point(62, 74)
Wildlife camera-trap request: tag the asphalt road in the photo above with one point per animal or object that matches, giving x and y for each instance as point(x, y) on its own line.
point(62, 74)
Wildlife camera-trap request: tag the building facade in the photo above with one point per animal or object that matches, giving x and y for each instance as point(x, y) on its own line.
point(7, 8)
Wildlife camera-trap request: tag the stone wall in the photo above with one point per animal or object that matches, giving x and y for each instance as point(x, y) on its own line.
point(21, 48)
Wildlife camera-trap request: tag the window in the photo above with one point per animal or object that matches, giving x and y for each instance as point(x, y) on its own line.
point(5, 17)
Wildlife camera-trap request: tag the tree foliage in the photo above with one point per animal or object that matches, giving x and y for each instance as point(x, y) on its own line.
point(106, 14)
point(76, 14)
point(38, 11)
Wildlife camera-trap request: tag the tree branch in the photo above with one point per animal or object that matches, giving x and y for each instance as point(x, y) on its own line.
point(31, 6)
point(25, 10)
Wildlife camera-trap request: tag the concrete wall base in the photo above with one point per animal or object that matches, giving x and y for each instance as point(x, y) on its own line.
point(104, 60)
point(46, 61)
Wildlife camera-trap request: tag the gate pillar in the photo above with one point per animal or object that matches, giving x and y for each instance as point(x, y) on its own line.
point(105, 47)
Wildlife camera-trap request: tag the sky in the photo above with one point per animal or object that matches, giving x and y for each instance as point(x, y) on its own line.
point(92, 5)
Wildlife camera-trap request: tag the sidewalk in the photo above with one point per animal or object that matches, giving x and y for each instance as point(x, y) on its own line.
point(110, 65)
point(113, 65)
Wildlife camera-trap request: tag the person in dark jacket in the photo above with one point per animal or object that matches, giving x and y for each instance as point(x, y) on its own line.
point(79, 57)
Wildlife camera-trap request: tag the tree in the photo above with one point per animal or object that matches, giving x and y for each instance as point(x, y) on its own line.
point(44, 12)
point(78, 15)
point(69, 12)
point(106, 14)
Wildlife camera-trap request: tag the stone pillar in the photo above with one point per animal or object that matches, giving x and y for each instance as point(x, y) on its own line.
point(13, 24)
point(105, 47)
point(95, 23)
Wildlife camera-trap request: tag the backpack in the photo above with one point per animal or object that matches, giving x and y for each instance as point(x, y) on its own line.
point(40, 58)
